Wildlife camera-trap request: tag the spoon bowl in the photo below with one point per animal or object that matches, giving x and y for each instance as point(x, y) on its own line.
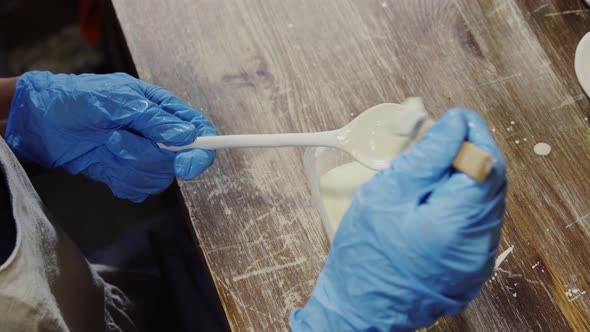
point(380, 133)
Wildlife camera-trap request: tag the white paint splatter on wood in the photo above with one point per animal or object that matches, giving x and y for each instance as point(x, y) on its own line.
point(542, 149)
point(569, 12)
point(573, 294)
point(268, 270)
point(582, 218)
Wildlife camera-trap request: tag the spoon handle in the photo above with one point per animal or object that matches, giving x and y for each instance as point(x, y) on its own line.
point(474, 161)
point(324, 138)
point(471, 159)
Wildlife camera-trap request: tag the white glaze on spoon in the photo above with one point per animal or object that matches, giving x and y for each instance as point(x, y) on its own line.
point(381, 132)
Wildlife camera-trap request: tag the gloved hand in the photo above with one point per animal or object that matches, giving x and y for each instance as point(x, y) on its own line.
point(418, 241)
point(107, 127)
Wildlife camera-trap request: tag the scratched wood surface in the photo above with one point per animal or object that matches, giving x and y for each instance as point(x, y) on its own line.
point(305, 65)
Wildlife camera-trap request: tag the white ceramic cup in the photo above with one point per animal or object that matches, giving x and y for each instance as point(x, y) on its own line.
point(582, 63)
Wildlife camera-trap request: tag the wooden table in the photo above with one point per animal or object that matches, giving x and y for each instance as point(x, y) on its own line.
point(303, 65)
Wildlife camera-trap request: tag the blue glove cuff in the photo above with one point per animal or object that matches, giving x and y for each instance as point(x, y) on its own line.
point(424, 310)
point(317, 318)
point(28, 127)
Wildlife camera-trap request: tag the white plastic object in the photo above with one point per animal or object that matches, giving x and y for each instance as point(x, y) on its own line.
point(317, 162)
point(372, 138)
point(582, 63)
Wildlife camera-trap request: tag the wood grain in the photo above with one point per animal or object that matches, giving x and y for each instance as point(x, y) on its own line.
point(304, 65)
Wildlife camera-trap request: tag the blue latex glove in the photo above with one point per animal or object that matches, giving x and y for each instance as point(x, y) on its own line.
point(107, 127)
point(418, 241)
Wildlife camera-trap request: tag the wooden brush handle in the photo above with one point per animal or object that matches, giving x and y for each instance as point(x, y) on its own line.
point(470, 160)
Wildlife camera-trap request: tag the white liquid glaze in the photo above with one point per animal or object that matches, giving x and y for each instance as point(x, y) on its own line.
point(542, 149)
point(337, 188)
point(380, 133)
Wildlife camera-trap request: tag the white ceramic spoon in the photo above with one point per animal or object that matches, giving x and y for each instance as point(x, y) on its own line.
point(373, 139)
point(582, 63)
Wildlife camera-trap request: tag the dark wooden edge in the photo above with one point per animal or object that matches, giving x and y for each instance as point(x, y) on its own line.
point(200, 254)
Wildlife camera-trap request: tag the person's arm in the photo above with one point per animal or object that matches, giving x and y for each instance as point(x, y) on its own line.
point(7, 89)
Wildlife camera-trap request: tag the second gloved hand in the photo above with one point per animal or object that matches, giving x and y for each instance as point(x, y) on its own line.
point(107, 127)
point(418, 241)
